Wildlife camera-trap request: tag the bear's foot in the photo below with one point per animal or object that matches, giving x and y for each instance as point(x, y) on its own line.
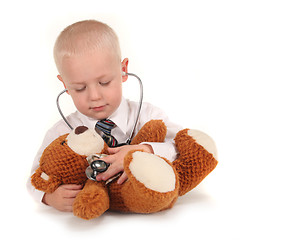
point(152, 183)
point(152, 171)
point(197, 158)
point(92, 201)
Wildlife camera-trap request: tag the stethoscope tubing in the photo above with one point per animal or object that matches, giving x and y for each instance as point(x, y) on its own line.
point(59, 109)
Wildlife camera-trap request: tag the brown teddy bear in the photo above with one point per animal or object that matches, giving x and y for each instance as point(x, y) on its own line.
point(153, 184)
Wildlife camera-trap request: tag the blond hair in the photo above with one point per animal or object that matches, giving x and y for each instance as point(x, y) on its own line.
point(84, 37)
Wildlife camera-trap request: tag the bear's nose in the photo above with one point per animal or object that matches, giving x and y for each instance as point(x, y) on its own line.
point(80, 129)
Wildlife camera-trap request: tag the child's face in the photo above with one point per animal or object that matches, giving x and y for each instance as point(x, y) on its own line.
point(94, 82)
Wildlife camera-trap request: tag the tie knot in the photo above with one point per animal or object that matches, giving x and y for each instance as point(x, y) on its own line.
point(105, 125)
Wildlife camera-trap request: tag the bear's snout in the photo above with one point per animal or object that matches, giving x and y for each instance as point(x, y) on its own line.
point(85, 141)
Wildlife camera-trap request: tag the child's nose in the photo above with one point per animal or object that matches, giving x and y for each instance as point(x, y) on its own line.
point(94, 93)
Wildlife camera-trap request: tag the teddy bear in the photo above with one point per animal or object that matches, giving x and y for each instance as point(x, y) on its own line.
point(154, 184)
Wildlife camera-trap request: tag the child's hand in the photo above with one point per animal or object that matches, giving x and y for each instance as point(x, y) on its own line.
point(116, 161)
point(63, 197)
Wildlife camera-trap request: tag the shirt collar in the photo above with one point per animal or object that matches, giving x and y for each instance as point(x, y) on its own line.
point(86, 121)
point(119, 117)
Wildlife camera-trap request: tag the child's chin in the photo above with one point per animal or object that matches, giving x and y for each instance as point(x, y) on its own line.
point(98, 114)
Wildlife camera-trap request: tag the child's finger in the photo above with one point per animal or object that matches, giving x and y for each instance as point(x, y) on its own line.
point(71, 194)
point(110, 172)
point(68, 205)
point(108, 159)
point(114, 150)
point(71, 186)
point(122, 178)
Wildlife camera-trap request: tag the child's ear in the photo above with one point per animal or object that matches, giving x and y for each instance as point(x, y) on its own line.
point(124, 68)
point(60, 78)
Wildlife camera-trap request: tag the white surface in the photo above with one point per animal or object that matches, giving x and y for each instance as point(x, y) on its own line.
point(217, 66)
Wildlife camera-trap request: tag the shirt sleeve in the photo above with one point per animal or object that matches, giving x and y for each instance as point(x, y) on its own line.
point(166, 150)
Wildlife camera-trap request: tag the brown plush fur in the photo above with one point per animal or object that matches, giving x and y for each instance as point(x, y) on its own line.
point(63, 166)
point(194, 162)
point(153, 131)
point(135, 197)
point(92, 201)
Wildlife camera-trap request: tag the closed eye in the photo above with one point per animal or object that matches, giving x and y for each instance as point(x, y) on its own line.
point(104, 83)
point(80, 89)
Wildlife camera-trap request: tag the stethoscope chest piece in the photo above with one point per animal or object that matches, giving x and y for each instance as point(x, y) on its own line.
point(96, 166)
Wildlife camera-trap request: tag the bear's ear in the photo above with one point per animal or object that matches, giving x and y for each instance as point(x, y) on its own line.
point(41, 181)
point(152, 131)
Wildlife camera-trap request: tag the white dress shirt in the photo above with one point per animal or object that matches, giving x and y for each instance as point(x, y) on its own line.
point(124, 118)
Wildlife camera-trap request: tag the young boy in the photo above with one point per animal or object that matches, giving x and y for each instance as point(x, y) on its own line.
point(88, 58)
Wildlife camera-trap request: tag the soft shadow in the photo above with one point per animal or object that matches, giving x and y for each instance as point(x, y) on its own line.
point(196, 196)
point(76, 224)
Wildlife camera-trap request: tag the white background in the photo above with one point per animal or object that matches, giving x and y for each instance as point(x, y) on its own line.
point(218, 66)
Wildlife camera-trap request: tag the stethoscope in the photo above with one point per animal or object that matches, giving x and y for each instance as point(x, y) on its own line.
point(96, 165)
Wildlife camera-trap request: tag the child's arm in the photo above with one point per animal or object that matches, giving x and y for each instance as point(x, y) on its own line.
point(116, 160)
point(63, 197)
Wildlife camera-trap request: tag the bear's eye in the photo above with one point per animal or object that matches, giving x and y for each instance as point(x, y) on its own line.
point(63, 142)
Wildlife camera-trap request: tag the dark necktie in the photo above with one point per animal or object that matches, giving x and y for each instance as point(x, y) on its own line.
point(106, 126)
